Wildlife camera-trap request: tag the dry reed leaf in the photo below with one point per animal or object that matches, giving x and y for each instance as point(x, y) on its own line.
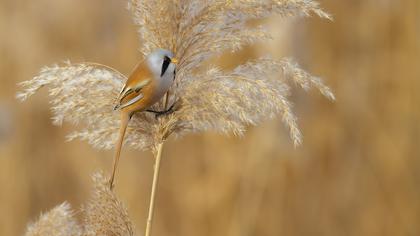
point(226, 101)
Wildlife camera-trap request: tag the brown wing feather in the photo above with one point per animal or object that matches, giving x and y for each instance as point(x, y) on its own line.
point(138, 90)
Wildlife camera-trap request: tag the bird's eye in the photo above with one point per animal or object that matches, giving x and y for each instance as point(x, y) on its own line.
point(165, 65)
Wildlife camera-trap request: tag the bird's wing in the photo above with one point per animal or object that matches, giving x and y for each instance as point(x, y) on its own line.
point(128, 90)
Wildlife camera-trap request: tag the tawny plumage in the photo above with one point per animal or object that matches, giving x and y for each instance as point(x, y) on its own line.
point(137, 92)
point(147, 84)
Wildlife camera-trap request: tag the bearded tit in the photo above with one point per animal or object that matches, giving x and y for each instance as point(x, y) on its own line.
point(147, 84)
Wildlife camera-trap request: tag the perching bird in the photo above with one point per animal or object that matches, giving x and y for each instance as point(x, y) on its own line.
point(147, 84)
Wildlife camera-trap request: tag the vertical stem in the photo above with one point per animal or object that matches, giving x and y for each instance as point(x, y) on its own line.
point(154, 187)
point(158, 158)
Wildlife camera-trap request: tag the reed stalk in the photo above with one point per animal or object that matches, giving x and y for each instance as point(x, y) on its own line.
point(158, 158)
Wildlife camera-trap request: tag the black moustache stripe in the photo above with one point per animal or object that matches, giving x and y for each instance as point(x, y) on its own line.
point(165, 65)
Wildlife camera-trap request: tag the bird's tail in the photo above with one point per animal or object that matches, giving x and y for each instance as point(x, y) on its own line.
point(125, 118)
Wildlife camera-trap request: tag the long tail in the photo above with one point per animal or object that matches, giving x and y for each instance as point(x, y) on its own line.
point(125, 118)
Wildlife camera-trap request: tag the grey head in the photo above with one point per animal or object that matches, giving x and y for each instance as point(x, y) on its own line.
point(161, 64)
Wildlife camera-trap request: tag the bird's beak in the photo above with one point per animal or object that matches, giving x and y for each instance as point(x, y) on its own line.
point(174, 60)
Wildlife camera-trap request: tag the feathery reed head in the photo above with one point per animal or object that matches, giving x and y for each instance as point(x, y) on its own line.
point(59, 221)
point(105, 214)
point(226, 101)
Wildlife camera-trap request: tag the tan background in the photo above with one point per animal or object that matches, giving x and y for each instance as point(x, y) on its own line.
point(358, 172)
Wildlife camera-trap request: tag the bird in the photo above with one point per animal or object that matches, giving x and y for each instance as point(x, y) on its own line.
point(150, 80)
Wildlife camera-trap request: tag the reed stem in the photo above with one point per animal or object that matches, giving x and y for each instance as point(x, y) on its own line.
point(154, 187)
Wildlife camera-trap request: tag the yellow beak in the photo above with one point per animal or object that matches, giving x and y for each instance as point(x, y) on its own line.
point(174, 60)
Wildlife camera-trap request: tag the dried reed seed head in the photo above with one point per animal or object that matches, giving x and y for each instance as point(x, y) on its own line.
point(59, 221)
point(104, 214)
point(209, 99)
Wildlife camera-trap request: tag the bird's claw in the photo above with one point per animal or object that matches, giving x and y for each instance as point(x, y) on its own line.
point(161, 113)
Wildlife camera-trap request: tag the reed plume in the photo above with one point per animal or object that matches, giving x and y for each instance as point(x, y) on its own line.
point(205, 98)
point(104, 214)
point(59, 221)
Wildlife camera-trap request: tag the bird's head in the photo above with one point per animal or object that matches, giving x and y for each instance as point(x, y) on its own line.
point(162, 64)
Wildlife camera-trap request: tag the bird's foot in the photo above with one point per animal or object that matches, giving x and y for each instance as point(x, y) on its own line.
point(161, 113)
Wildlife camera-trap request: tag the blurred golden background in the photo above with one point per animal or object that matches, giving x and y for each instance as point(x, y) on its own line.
point(357, 172)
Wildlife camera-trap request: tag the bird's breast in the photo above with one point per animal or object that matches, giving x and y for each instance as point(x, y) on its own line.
point(162, 86)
